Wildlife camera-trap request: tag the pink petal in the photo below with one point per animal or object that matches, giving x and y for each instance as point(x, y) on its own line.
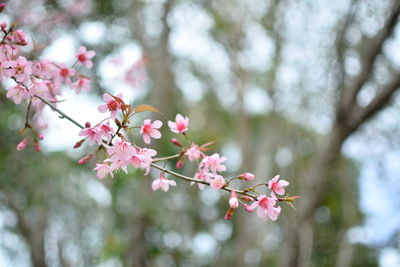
point(157, 124)
point(155, 134)
point(103, 108)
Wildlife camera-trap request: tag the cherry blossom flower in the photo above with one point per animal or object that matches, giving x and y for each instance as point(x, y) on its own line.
point(20, 69)
point(81, 84)
point(265, 208)
point(64, 73)
point(218, 182)
point(112, 105)
point(106, 130)
point(193, 152)
point(277, 187)
point(142, 159)
point(149, 130)
point(103, 170)
point(213, 163)
point(162, 183)
point(246, 176)
point(92, 134)
point(202, 175)
point(180, 125)
point(17, 93)
point(44, 68)
point(121, 150)
point(233, 200)
point(38, 88)
point(84, 57)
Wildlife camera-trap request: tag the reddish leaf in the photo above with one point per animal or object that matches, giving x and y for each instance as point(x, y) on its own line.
point(142, 108)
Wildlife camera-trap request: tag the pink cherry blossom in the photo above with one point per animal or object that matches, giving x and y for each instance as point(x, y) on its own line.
point(193, 152)
point(81, 84)
point(64, 73)
point(17, 93)
point(112, 105)
point(142, 158)
point(103, 170)
point(121, 150)
point(277, 187)
point(218, 182)
point(180, 125)
point(38, 88)
point(149, 130)
point(213, 163)
point(93, 134)
point(233, 200)
point(84, 57)
point(105, 130)
point(265, 208)
point(19, 37)
point(22, 144)
point(20, 69)
point(246, 176)
point(162, 183)
point(202, 175)
point(44, 68)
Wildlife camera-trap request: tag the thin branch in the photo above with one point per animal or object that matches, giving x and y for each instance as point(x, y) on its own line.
point(63, 115)
point(383, 96)
point(167, 158)
point(178, 175)
point(341, 43)
point(372, 52)
point(27, 125)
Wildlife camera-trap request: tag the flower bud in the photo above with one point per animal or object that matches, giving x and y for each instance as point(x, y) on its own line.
point(3, 25)
point(180, 162)
point(229, 214)
point(41, 136)
point(176, 142)
point(87, 124)
point(233, 200)
point(2, 6)
point(85, 159)
point(22, 144)
point(247, 208)
point(36, 146)
point(246, 176)
point(246, 198)
point(79, 143)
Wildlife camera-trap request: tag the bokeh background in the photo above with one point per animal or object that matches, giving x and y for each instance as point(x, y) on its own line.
point(306, 89)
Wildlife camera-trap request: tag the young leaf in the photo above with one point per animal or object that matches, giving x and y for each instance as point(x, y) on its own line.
point(142, 108)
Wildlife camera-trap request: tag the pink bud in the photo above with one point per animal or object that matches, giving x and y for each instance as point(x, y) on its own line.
point(176, 142)
point(22, 144)
point(247, 208)
point(180, 162)
point(36, 146)
point(3, 25)
point(85, 159)
point(246, 176)
point(79, 143)
point(87, 125)
point(41, 136)
point(246, 198)
point(233, 200)
point(229, 214)
point(2, 6)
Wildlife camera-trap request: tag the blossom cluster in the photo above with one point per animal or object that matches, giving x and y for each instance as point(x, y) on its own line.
point(40, 82)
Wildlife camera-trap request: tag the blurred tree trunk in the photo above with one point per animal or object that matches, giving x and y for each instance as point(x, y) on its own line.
point(349, 117)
